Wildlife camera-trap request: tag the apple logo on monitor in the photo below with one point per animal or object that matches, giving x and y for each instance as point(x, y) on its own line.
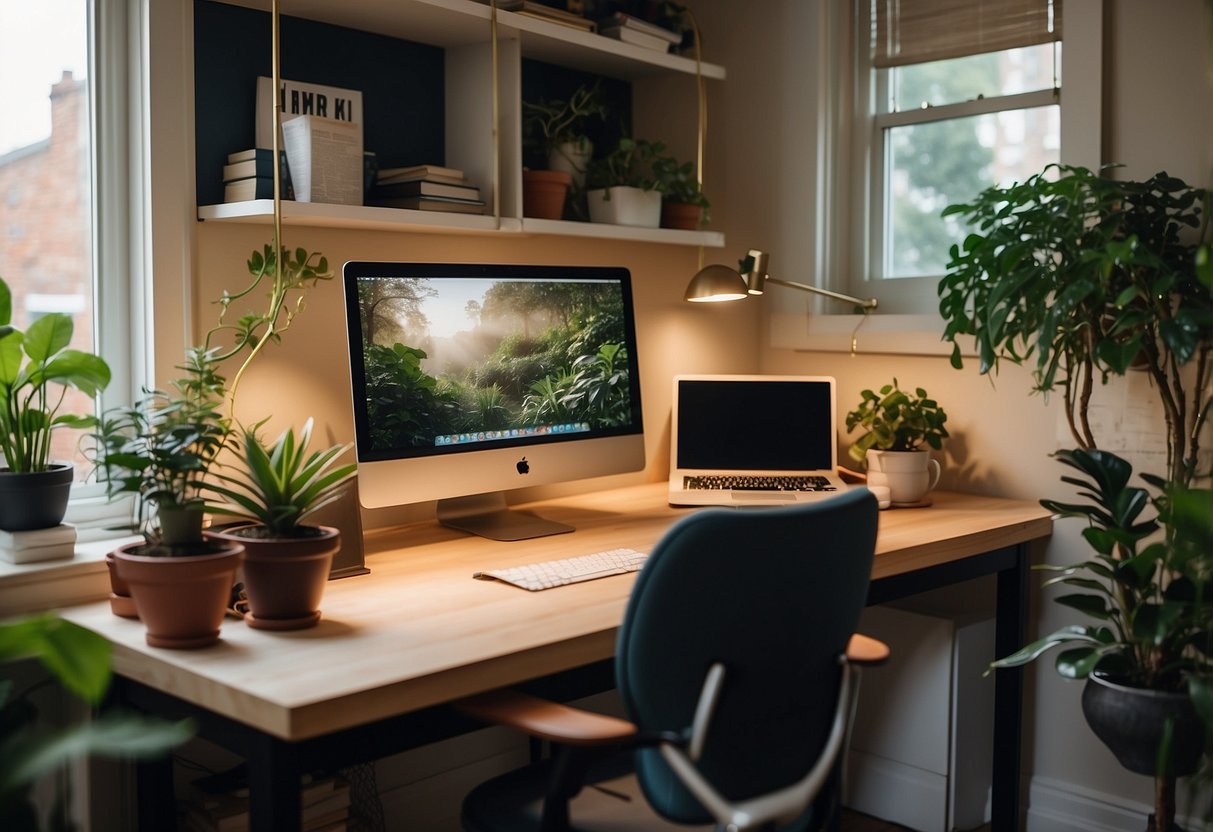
point(523, 466)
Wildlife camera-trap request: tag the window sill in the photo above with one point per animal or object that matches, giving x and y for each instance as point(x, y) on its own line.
point(35, 587)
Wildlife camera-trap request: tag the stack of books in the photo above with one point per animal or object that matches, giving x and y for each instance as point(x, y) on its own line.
point(249, 174)
point(35, 545)
point(326, 808)
point(542, 11)
point(631, 29)
point(426, 188)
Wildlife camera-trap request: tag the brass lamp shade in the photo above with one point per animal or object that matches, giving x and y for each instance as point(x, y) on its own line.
point(716, 283)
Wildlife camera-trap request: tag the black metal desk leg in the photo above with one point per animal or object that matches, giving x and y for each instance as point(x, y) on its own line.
point(274, 772)
point(1009, 633)
point(154, 799)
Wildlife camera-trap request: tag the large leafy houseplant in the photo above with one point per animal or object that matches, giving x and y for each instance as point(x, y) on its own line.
point(1083, 277)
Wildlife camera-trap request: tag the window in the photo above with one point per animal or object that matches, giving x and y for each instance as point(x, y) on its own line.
point(45, 171)
point(952, 96)
point(65, 193)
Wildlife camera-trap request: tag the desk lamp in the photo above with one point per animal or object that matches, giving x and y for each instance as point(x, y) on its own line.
point(720, 283)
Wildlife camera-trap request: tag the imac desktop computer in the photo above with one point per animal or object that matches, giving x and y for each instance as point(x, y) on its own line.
point(471, 380)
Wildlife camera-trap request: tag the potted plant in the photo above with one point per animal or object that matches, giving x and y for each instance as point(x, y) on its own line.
point(683, 204)
point(1084, 277)
point(276, 487)
point(36, 367)
point(622, 188)
point(555, 129)
point(161, 449)
point(898, 427)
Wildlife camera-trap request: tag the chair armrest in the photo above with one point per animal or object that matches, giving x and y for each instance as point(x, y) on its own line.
point(865, 650)
point(546, 720)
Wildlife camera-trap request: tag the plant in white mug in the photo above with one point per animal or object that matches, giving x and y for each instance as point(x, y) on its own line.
point(898, 427)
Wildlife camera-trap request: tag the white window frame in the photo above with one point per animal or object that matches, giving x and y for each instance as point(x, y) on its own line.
point(844, 181)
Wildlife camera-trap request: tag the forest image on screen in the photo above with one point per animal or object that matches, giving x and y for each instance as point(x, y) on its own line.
point(457, 361)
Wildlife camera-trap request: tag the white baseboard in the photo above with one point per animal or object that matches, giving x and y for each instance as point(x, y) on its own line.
point(1056, 806)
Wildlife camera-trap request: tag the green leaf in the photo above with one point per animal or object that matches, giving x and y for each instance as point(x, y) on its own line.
point(116, 735)
point(1077, 663)
point(86, 372)
point(47, 335)
point(1091, 605)
point(6, 305)
point(1066, 635)
point(10, 357)
point(77, 657)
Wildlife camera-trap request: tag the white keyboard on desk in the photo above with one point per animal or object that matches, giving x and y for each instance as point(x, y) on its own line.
point(547, 574)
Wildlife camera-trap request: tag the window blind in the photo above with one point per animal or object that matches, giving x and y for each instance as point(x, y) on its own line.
point(916, 31)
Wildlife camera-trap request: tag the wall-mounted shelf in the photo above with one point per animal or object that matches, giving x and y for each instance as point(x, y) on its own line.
point(457, 23)
point(403, 34)
point(261, 211)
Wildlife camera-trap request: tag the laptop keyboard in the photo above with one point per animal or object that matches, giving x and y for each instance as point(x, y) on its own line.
point(761, 483)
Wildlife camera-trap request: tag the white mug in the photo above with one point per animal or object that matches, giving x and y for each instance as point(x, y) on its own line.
point(909, 475)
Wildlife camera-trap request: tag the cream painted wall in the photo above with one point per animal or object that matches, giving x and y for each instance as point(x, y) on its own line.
point(1157, 112)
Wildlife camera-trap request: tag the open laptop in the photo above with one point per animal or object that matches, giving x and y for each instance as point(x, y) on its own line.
point(742, 440)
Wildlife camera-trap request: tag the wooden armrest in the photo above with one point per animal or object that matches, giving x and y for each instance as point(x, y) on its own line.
point(865, 650)
point(544, 719)
point(853, 477)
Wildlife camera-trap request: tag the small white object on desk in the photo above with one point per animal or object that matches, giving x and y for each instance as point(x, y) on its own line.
point(36, 545)
point(884, 498)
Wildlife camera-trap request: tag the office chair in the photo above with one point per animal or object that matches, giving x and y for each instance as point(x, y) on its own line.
point(737, 665)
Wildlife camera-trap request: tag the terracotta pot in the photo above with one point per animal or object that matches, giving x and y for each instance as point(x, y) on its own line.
point(181, 600)
point(284, 578)
point(544, 192)
point(681, 215)
point(121, 602)
point(35, 499)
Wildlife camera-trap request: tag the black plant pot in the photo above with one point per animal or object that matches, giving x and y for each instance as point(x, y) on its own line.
point(34, 500)
point(1130, 722)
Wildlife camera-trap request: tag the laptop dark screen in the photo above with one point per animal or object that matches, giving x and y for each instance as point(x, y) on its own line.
point(755, 425)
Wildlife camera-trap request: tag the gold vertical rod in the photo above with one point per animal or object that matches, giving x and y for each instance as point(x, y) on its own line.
point(496, 127)
point(702, 101)
point(276, 76)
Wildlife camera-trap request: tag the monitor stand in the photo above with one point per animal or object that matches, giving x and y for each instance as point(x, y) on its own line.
point(488, 516)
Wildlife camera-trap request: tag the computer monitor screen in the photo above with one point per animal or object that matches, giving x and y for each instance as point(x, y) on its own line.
point(469, 380)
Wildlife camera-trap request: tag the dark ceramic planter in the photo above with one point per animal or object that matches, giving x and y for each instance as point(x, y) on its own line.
point(181, 600)
point(34, 500)
point(284, 578)
point(1130, 720)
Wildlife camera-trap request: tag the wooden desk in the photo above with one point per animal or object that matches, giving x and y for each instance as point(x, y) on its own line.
point(418, 632)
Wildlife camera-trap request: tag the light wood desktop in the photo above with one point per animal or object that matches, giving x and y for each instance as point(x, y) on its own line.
point(419, 632)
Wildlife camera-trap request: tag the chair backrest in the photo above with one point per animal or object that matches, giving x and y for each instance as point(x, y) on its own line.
point(773, 595)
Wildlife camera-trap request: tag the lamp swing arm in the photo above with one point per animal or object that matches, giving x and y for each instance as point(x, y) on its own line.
point(868, 303)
